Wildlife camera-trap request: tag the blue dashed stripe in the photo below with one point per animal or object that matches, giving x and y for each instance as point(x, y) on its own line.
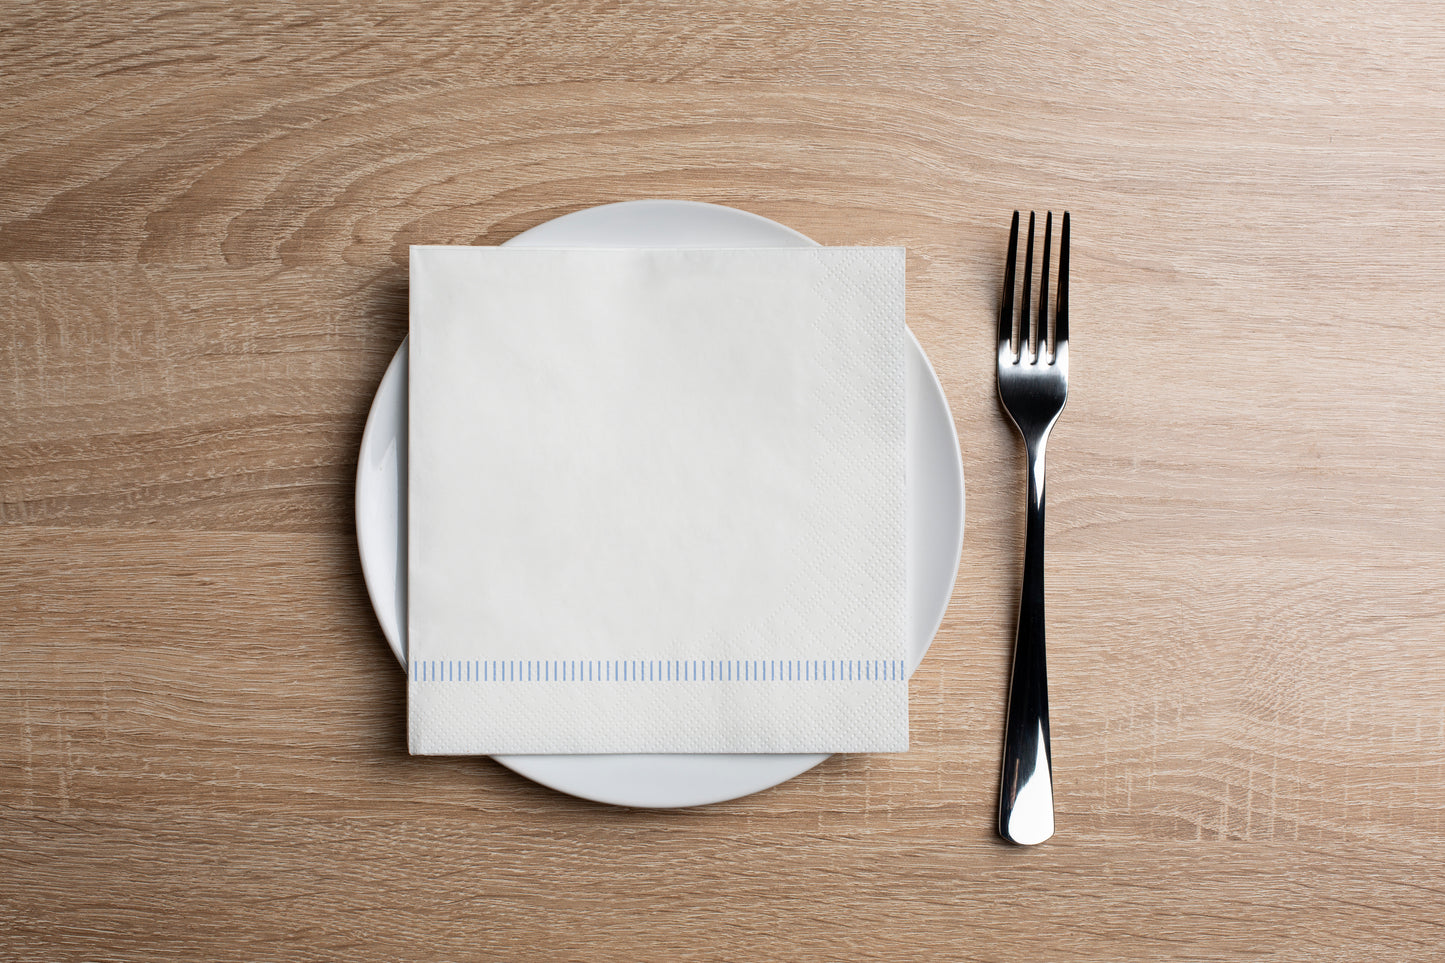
point(658, 670)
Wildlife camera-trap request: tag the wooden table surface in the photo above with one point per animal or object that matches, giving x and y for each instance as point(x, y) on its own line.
point(204, 220)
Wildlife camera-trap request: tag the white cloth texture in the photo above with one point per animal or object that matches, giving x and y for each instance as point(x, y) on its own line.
point(656, 501)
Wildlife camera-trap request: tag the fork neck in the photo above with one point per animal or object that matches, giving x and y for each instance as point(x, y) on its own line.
point(1036, 443)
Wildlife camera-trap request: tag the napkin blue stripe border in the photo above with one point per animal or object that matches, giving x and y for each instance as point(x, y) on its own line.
point(658, 670)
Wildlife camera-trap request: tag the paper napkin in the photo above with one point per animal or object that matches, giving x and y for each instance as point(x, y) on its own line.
point(656, 501)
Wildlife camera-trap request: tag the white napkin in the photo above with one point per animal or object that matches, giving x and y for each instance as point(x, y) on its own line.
point(656, 501)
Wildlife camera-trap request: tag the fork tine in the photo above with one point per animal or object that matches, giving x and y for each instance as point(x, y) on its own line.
point(1061, 312)
point(1006, 306)
point(1043, 325)
point(1026, 339)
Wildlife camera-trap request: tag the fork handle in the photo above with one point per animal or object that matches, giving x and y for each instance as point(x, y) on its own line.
point(1026, 794)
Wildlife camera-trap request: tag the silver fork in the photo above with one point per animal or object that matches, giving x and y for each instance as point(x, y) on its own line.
point(1033, 384)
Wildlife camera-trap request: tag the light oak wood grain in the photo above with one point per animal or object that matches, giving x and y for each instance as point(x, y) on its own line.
point(204, 216)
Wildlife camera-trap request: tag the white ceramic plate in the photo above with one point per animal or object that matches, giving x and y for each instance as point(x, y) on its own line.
point(935, 513)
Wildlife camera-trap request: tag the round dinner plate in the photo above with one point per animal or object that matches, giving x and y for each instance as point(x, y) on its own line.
point(935, 513)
